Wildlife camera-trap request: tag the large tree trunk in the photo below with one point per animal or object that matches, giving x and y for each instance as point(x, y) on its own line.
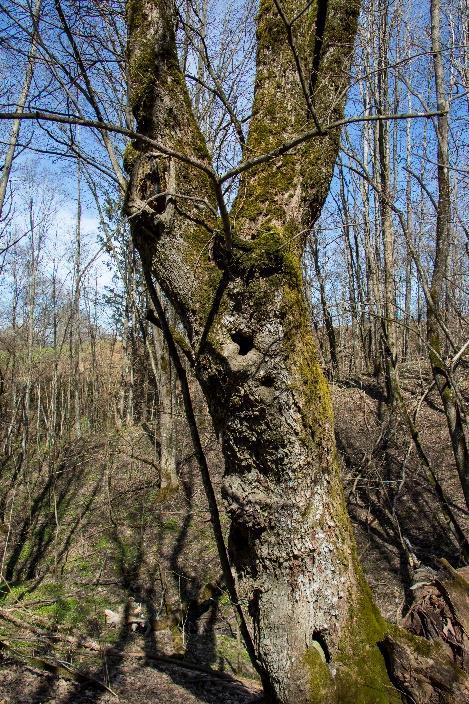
point(314, 626)
point(290, 537)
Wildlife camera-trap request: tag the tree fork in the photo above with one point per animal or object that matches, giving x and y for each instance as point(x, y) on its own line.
point(314, 627)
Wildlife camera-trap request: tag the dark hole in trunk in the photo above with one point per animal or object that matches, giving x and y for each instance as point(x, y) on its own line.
point(318, 636)
point(244, 342)
point(267, 380)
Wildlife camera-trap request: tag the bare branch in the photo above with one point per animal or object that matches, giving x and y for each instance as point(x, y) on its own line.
point(310, 134)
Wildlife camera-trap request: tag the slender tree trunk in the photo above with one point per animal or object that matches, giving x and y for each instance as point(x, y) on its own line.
point(327, 317)
point(75, 315)
point(441, 373)
point(389, 321)
point(406, 335)
point(167, 398)
point(352, 294)
point(372, 282)
point(372, 286)
point(22, 98)
point(35, 247)
point(357, 269)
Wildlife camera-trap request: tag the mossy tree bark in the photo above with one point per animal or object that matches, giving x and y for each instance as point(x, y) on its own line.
point(240, 299)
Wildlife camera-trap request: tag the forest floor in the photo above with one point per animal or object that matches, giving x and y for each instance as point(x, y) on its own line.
point(132, 681)
point(393, 507)
point(119, 537)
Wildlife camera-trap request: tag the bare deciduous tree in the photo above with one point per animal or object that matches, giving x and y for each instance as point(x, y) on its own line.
point(236, 283)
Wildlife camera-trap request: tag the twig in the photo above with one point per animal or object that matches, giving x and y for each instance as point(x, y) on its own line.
point(57, 667)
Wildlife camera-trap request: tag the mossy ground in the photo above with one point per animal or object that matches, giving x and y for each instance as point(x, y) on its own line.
point(52, 602)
